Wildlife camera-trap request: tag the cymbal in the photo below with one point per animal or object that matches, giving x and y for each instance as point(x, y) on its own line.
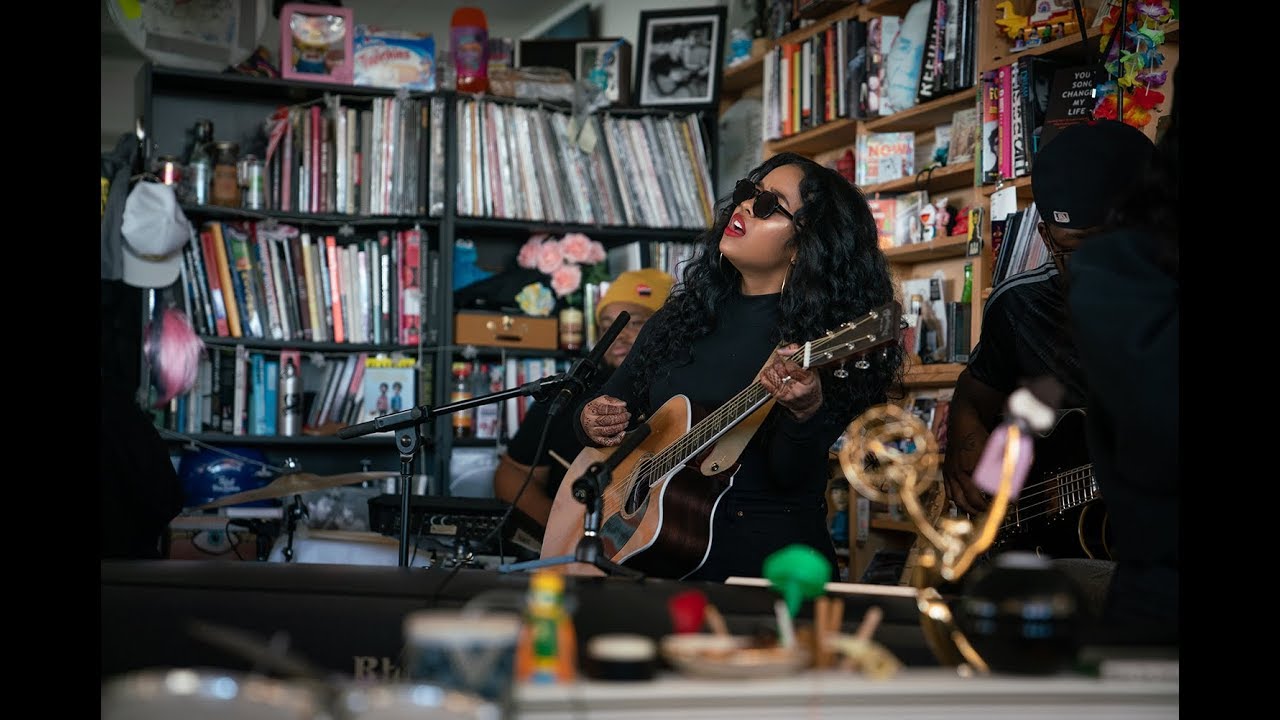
point(294, 483)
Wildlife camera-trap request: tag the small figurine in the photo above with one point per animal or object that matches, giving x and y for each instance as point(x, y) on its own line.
point(840, 521)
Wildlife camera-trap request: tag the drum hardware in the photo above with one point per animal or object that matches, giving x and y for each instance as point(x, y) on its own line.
point(297, 510)
point(294, 484)
point(264, 530)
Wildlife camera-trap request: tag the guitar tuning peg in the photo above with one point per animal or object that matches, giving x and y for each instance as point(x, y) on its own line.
point(840, 372)
point(862, 364)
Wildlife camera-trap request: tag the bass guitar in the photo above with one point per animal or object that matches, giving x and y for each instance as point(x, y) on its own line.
point(657, 511)
point(1060, 510)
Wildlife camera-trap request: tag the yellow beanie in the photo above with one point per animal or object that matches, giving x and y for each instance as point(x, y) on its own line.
point(647, 287)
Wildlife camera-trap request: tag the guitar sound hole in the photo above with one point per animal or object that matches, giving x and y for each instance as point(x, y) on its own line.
point(639, 492)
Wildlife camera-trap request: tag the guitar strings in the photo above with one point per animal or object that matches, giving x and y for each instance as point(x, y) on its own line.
point(680, 451)
point(1021, 505)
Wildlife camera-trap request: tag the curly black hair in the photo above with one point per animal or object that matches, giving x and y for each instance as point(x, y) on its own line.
point(839, 275)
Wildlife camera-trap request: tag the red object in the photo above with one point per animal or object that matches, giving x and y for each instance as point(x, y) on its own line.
point(688, 610)
point(469, 43)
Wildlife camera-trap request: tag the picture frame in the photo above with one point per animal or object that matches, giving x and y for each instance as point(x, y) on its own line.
point(317, 43)
point(680, 57)
point(587, 53)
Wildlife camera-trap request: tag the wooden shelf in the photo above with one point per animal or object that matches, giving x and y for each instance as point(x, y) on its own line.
point(1061, 49)
point(935, 375)
point(952, 246)
point(947, 177)
point(986, 293)
point(826, 136)
point(885, 522)
point(925, 115)
point(1020, 183)
point(746, 74)
point(491, 351)
point(888, 7)
point(809, 31)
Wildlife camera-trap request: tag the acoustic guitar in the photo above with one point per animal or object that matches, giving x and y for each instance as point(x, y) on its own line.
point(657, 511)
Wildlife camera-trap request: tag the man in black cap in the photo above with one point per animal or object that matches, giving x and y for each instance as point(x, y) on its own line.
point(1080, 176)
point(1124, 309)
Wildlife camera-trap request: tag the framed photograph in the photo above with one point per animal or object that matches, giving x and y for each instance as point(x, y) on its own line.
point(316, 43)
point(615, 62)
point(680, 54)
point(388, 389)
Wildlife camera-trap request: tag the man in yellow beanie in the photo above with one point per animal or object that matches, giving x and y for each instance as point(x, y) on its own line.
point(638, 292)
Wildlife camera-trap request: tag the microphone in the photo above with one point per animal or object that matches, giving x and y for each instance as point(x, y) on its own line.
point(590, 482)
point(579, 376)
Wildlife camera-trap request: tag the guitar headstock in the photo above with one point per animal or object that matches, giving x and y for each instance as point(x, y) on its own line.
point(878, 327)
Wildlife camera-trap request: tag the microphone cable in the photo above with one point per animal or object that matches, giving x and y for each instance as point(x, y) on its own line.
point(497, 529)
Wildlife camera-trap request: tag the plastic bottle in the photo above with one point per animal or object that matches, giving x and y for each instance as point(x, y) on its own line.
point(547, 648)
point(290, 400)
point(463, 420)
point(469, 45)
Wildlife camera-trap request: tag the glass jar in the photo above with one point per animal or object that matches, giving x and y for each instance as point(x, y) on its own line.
point(226, 186)
point(199, 178)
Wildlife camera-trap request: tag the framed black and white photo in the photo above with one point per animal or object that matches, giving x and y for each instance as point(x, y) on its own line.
point(613, 57)
point(680, 54)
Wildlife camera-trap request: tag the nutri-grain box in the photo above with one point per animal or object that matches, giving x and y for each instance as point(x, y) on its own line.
point(394, 58)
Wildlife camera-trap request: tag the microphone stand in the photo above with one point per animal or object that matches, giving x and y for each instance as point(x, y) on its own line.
point(407, 425)
point(589, 490)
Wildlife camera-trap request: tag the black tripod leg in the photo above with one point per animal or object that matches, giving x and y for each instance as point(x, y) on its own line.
point(591, 551)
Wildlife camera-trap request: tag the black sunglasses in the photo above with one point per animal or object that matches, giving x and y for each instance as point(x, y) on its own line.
point(766, 200)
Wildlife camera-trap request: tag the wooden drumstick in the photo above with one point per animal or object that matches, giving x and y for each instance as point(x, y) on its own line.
point(715, 620)
point(869, 623)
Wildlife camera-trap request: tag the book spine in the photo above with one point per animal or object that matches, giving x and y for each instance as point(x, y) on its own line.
point(410, 287)
point(307, 288)
point(267, 273)
point(1005, 114)
point(335, 288)
point(240, 404)
point(257, 394)
point(270, 397)
point(227, 279)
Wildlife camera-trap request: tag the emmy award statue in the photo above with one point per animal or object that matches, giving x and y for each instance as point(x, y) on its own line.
point(890, 456)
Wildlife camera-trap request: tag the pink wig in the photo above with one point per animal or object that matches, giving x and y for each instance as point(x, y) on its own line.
point(173, 351)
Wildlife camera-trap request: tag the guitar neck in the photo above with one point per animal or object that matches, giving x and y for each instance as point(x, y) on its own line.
point(706, 430)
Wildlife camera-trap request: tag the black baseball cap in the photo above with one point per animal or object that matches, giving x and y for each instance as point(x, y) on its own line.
point(1086, 170)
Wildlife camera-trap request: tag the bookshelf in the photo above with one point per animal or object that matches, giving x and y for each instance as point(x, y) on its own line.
point(170, 101)
point(961, 183)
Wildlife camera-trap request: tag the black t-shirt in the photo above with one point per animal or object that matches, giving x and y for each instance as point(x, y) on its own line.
point(560, 438)
point(1125, 313)
point(140, 490)
point(1025, 335)
point(778, 494)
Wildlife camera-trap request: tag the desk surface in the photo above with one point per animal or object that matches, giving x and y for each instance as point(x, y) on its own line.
point(915, 693)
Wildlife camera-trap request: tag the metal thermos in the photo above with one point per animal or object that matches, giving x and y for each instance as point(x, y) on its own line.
point(290, 400)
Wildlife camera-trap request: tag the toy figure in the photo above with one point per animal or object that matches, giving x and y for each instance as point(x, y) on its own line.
point(840, 521)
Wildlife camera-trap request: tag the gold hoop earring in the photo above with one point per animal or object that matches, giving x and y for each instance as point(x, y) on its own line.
point(784, 280)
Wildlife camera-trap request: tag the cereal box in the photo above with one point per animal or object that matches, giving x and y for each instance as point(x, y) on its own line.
point(394, 58)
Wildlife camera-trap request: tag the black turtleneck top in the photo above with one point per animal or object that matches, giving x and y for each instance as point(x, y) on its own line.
point(778, 493)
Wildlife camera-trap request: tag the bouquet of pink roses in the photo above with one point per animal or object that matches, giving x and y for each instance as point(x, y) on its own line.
point(563, 261)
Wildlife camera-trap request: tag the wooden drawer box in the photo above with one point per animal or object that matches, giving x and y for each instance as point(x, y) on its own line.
point(476, 327)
